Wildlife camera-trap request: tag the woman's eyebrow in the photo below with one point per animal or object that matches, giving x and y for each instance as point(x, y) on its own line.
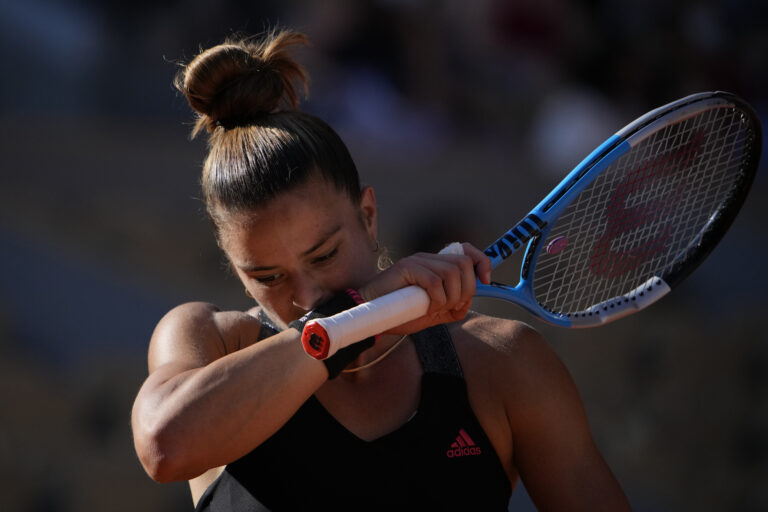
point(255, 268)
point(323, 239)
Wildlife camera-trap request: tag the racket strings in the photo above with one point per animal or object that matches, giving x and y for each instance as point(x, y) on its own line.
point(685, 217)
point(684, 207)
point(641, 214)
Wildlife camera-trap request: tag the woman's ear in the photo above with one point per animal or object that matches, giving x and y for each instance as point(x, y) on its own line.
point(368, 212)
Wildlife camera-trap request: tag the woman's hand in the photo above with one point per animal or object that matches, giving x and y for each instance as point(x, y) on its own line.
point(448, 279)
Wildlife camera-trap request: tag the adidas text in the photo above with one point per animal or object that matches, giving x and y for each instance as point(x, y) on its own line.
point(460, 452)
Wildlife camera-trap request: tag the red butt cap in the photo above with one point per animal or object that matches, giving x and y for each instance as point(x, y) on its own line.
point(315, 340)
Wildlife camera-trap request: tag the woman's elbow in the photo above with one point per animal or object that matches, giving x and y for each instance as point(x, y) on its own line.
point(158, 447)
point(156, 452)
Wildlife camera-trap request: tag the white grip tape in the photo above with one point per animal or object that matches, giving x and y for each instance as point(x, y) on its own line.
point(376, 316)
point(452, 248)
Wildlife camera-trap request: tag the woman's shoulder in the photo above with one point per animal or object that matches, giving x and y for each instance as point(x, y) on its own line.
point(499, 336)
point(202, 331)
point(504, 351)
point(205, 315)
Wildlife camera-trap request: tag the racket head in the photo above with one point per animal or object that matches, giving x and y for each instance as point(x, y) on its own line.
point(640, 213)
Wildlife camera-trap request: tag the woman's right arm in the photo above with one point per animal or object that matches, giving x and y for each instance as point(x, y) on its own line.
point(206, 403)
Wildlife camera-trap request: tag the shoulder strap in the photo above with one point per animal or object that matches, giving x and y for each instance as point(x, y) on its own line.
point(436, 351)
point(268, 327)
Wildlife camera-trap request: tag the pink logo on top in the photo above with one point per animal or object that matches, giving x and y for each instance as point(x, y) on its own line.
point(464, 445)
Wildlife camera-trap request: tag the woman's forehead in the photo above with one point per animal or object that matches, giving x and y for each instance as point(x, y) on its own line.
point(310, 203)
point(298, 222)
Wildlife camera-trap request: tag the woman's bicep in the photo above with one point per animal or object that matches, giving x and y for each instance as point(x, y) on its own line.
point(188, 338)
point(191, 336)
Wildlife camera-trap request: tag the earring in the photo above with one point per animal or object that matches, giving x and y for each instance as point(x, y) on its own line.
point(248, 293)
point(376, 249)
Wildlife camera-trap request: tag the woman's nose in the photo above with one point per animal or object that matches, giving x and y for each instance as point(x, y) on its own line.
point(307, 293)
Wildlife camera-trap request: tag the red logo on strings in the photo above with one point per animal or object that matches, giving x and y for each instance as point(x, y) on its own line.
point(622, 219)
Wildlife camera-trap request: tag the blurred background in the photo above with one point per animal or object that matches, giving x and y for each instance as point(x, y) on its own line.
point(449, 109)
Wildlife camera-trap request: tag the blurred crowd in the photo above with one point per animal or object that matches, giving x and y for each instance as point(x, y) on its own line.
point(459, 113)
point(394, 68)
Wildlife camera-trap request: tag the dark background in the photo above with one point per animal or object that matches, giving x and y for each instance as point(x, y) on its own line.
point(460, 114)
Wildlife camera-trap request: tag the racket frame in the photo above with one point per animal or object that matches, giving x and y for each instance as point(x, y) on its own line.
point(532, 230)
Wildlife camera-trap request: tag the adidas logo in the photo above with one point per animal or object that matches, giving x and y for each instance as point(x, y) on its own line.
point(463, 445)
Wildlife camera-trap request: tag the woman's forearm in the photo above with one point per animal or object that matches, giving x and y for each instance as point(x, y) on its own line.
point(187, 421)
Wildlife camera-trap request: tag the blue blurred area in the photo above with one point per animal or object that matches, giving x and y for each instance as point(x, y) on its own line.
point(60, 309)
point(449, 110)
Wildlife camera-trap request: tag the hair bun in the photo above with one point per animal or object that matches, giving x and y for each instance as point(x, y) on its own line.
point(237, 81)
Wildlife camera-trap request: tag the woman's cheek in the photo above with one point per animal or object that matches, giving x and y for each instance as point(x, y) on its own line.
point(277, 300)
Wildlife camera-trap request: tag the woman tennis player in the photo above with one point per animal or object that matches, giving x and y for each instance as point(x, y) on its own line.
point(445, 412)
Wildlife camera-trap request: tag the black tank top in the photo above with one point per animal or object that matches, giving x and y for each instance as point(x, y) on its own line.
point(440, 459)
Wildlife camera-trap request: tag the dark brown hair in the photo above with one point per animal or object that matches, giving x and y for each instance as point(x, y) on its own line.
point(260, 144)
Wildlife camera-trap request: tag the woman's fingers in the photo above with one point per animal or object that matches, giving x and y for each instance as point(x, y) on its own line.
point(443, 281)
point(481, 262)
point(449, 280)
point(460, 273)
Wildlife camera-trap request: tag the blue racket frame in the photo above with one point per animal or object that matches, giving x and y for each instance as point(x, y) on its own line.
point(547, 211)
point(535, 227)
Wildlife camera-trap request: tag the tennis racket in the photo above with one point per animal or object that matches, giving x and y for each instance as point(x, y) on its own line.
point(623, 229)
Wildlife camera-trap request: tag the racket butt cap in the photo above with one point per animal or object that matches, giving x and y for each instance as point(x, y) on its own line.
point(315, 340)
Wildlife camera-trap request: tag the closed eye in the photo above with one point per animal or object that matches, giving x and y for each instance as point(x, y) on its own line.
point(325, 257)
point(268, 280)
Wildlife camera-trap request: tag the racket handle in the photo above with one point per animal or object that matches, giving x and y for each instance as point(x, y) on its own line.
point(323, 337)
